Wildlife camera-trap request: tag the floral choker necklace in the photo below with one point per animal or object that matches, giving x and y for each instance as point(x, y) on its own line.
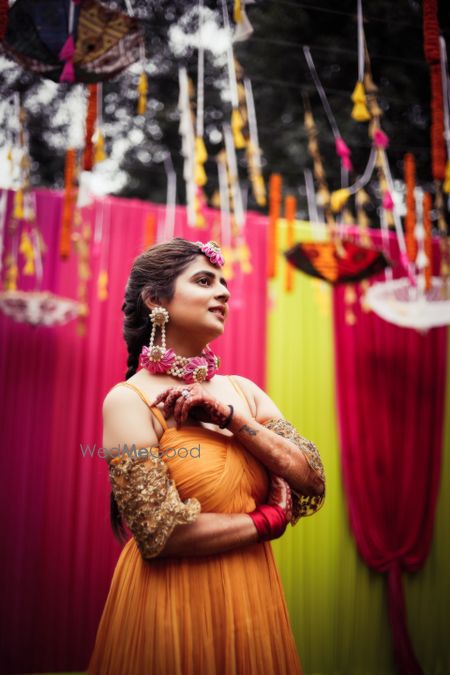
point(158, 359)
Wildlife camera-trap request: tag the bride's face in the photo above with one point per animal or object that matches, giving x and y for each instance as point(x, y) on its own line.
point(200, 301)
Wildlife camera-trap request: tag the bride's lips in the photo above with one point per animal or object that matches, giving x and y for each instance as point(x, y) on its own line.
point(218, 311)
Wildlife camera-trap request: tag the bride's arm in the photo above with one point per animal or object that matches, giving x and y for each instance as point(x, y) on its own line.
point(276, 443)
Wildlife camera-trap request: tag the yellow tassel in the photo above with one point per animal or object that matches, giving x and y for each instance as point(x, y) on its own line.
point(227, 269)
point(27, 250)
point(446, 185)
point(236, 128)
point(102, 285)
point(99, 152)
point(360, 112)
point(237, 15)
point(200, 150)
point(200, 175)
point(18, 204)
point(338, 199)
point(243, 258)
point(142, 91)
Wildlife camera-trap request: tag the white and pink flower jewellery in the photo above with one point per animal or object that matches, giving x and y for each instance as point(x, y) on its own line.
point(159, 359)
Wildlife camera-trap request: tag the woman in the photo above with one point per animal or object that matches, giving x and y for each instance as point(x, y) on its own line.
point(205, 471)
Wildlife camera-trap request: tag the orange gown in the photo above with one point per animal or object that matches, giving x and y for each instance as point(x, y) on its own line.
point(221, 614)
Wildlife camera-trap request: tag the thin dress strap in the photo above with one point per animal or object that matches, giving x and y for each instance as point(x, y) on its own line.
point(241, 393)
point(157, 413)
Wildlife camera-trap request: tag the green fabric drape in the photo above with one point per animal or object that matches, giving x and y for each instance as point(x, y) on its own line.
point(337, 605)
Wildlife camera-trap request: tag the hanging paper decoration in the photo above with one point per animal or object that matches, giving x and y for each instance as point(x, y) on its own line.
point(360, 112)
point(275, 196)
point(290, 209)
point(243, 28)
point(433, 56)
point(409, 168)
point(68, 203)
point(27, 250)
point(237, 122)
point(106, 42)
point(186, 129)
point(237, 207)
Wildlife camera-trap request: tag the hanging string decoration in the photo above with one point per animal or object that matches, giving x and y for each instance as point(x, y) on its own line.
point(290, 209)
point(68, 203)
point(275, 196)
point(409, 170)
point(360, 112)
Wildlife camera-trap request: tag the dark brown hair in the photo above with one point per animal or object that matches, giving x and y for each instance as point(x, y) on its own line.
point(152, 277)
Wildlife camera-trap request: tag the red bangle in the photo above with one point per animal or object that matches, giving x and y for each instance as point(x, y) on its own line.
point(270, 521)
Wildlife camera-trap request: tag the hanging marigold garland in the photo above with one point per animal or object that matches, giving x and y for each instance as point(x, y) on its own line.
point(409, 169)
point(91, 116)
point(428, 241)
point(68, 203)
point(275, 185)
point(150, 230)
point(290, 209)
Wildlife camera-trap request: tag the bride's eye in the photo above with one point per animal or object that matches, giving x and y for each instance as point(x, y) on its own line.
point(203, 279)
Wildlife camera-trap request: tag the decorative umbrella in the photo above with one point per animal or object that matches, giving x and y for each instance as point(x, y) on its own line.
point(39, 307)
point(344, 263)
point(71, 40)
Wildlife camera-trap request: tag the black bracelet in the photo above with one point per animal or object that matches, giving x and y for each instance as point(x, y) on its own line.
point(229, 418)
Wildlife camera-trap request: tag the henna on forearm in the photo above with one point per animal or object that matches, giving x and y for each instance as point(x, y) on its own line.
point(279, 454)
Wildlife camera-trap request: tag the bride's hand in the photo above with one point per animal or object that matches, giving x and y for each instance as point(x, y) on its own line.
point(280, 495)
point(192, 399)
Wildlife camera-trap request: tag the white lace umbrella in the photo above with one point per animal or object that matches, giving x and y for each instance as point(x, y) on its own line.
point(400, 303)
point(39, 307)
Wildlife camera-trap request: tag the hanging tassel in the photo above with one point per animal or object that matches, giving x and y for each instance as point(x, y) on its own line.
point(380, 139)
point(18, 212)
point(4, 6)
point(99, 149)
point(150, 227)
point(27, 250)
point(200, 158)
point(275, 185)
point(66, 54)
point(428, 241)
point(290, 210)
point(236, 128)
point(68, 204)
point(237, 11)
point(388, 202)
point(339, 199)
point(142, 91)
point(446, 186)
point(102, 285)
point(409, 170)
point(343, 151)
point(91, 116)
point(11, 273)
point(360, 112)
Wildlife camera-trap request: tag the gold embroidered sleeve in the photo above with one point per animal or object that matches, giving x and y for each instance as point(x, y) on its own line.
point(148, 499)
point(302, 505)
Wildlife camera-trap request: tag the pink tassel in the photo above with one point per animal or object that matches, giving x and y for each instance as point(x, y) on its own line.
point(388, 202)
point(68, 73)
point(380, 139)
point(343, 151)
point(68, 49)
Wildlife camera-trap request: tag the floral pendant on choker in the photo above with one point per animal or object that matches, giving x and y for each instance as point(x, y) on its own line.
point(191, 369)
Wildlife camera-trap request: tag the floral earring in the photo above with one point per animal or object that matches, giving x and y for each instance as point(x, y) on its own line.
point(156, 358)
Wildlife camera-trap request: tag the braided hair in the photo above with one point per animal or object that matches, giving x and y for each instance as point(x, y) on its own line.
point(152, 277)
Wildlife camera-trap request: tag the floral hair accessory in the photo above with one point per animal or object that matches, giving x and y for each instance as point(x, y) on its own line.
point(212, 250)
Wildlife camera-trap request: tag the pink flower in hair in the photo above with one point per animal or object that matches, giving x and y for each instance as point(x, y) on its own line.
point(196, 370)
point(212, 250)
point(157, 359)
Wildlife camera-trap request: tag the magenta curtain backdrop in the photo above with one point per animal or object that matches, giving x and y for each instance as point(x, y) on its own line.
point(58, 551)
point(390, 392)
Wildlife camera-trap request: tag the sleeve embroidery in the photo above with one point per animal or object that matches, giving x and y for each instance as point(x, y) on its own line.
point(302, 505)
point(149, 501)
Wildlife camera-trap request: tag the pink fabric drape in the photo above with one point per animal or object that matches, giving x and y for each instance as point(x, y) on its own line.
point(58, 551)
point(390, 390)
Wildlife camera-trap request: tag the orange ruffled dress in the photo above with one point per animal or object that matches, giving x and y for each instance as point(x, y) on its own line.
point(222, 614)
